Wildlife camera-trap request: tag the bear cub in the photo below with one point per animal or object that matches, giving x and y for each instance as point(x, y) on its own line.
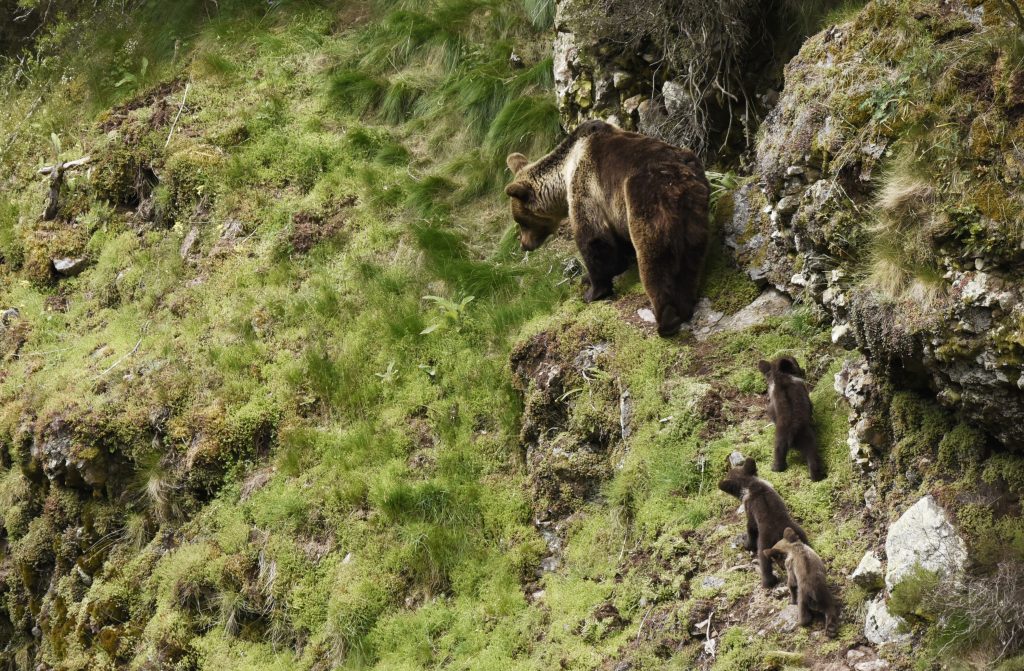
point(789, 407)
point(627, 198)
point(767, 515)
point(805, 574)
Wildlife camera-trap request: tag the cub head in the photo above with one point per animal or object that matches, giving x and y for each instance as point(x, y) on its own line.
point(784, 365)
point(788, 543)
point(739, 478)
point(535, 225)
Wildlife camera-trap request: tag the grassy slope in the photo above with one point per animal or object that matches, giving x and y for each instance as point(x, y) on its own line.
point(319, 465)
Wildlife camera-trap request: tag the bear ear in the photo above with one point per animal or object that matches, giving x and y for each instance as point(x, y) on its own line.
point(790, 535)
point(515, 162)
point(520, 191)
point(749, 466)
point(788, 365)
point(764, 367)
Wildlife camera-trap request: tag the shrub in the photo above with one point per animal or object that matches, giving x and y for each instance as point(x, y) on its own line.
point(981, 613)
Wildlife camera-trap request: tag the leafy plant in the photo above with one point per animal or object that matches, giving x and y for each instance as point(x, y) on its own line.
point(134, 78)
point(884, 101)
point(452, 312)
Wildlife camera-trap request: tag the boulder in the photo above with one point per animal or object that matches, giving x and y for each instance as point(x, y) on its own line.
point(68, 266)
point(881, 626)
point(923, 537)
point(868, 573)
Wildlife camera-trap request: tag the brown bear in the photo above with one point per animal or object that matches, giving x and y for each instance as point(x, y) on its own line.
point(789, 407)
point(767, 515)
point(627, 197)
point(805, 574)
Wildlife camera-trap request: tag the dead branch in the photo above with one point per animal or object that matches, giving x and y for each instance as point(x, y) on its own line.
point(56, 173)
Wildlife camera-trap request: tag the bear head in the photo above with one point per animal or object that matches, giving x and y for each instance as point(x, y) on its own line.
point(535, 224)
point(739, 478)
point(787, 544)
point(784, 365)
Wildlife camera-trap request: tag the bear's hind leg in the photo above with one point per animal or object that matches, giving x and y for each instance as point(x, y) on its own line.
point(809, 448)
point(781, 447)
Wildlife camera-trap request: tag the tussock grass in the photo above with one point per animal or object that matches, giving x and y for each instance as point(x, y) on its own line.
point(529, 124)
point(541, 12)
point(355, 91)
point(908, 219)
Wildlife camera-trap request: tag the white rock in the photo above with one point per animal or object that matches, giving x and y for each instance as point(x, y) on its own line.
point(868, 573)
point(646, 314)
point(881, 626)
point(565, 54)
point(873, 665)
point(677, 97)
point(923, 537)
point(839, 332)
point(787, 620)
point(68, 267)
point(707, 322)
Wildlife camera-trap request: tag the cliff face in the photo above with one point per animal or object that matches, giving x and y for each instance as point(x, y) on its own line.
point(886, 192)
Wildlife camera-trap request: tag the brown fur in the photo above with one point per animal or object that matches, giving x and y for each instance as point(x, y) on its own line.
point(767, 515)
point(627, 197)
point(805, 574)
point(789, 407)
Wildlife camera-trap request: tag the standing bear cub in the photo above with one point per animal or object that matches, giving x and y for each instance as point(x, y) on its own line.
point(767, 515)
point(789, 407)
point(627, 197)
point(805, 574)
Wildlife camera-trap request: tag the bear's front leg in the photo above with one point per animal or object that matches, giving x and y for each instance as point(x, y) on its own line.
point(601, 257)
point(768, 579)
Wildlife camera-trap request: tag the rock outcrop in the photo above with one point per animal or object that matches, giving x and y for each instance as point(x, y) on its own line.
point(845, 212)
point(922, 538)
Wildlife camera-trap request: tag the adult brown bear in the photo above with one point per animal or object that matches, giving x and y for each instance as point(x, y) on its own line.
point(627, 197)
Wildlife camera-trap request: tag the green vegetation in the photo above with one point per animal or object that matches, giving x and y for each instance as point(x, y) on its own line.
point(273, 423)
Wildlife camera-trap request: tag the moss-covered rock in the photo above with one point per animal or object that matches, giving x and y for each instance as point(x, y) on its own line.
point(856, 164)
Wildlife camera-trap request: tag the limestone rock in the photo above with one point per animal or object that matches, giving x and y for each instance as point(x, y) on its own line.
point(881, 626)
point(868, 573)
point(69, 266)
point(677, 97)
point(787, 620)
point(707, 322)
point(873, 665)
point(923, 536)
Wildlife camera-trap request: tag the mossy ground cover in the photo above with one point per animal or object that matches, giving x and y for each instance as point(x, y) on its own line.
point(289, 353)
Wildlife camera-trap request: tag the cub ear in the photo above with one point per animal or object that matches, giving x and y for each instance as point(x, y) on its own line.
point(515, 162)
point(520, 191)
point(764, 367)
point(749, 466)
point(790, 535)
point(788, 365)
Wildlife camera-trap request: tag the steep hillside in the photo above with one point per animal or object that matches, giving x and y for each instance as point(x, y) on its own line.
point(279, 390)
